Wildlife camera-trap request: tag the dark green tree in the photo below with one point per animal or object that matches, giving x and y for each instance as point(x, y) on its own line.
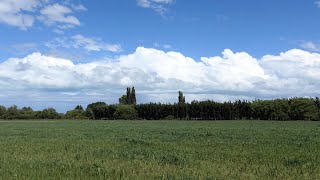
point(27, 113)
point(123, 100)
point(49, 113)
point(78, 107)
point(3, 111)
point(12, 112)
point(133, 96)
point(181, 98)
point(317, 102)
point(182, 108)
point(129, 98)
point(302, 109)
point(125, 112)
point(76, 114)
point(98, 110)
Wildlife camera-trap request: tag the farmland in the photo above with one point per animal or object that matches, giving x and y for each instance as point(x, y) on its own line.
point(89, 149)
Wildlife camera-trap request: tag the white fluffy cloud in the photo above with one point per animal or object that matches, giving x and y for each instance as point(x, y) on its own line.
point(157, 75)
point(23, 13)
point(293, 73)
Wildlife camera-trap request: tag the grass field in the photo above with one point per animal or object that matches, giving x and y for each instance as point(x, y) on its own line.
point(159, 150)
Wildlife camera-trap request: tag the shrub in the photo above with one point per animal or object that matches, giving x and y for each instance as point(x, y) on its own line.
point(76, 114)
point(49, 113)
point(98, 110)
point(3, 111)
point(125, 112)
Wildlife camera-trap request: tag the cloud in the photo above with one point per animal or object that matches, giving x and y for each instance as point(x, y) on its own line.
point(310, 46)
point(163, 46)
point(81, 42)
point(159, 6)
point(317, 2)
point(18, 13)
point(79, 7)
point(57, 14)
point(23, 14)
point(91, 44)
point(158, 75)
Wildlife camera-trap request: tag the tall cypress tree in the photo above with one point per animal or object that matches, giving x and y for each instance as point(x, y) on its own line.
point(182, 107)
point(128, 99)
point(181, 98)
point(133, 96)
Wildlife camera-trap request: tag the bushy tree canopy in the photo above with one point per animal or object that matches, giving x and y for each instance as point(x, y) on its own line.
point(76, 114)
point(49, 113)
point(125, 112)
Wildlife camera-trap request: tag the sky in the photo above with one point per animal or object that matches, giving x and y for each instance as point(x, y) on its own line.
point(63, 53)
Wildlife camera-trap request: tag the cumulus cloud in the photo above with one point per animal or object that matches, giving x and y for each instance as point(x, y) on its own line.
point(159, 6)
point(158, 75)
point(293, 73)
point(79, 41)
point(23, 14)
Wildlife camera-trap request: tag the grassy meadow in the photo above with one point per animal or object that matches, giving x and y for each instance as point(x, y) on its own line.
point(159, 150)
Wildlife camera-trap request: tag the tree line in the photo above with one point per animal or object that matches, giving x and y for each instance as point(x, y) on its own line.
point(278, 109)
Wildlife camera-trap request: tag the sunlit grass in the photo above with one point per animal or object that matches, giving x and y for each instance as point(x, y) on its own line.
point(159, 150)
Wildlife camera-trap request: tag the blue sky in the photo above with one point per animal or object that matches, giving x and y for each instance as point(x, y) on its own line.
point(194, 46)
point(202, 28)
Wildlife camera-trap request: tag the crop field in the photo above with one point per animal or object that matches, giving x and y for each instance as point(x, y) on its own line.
point(159, 150)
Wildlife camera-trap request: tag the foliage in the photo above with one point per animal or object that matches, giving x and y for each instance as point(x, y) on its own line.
point(307, 109)
point(76, 114)
point(181, 98)
point(303, 109)
point(49, 113)
point(123, 99)
point(78, 107)
point(98, 110)
point(133, 99)
point(125, 112)
point(129, 98)
point(3, 111)
point(12, 112)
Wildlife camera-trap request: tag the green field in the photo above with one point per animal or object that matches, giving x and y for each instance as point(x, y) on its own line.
point(159, 150)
